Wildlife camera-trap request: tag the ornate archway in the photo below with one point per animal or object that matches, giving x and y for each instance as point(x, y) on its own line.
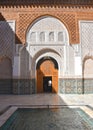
point(47, 75)
point(49, 41)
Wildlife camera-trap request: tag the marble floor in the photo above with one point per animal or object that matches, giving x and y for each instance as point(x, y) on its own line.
point(45, 99)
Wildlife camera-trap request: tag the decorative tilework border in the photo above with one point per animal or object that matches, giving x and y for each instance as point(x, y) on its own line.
point(88, 86)
point(76, 86)
point(28, 86)
point(5, 86)
point(23, 86)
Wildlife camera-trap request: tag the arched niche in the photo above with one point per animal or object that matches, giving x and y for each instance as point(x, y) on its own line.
point(88, 68)
point(51, 28)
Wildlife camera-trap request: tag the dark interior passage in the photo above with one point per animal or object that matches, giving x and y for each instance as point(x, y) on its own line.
point(47, 84)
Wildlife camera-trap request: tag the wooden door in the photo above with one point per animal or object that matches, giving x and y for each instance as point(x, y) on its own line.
point(47, 69)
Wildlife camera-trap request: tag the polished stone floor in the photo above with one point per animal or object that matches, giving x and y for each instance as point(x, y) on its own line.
point(45, 99)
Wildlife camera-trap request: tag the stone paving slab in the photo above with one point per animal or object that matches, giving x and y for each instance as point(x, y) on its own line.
point(87, 111)
point(6, 115)
point(45, 99)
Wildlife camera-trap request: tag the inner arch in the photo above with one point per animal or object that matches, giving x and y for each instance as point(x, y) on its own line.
point(46, 25)
point(47, 75)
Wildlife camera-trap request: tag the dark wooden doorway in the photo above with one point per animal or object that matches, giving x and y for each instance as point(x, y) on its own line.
point(47, 84)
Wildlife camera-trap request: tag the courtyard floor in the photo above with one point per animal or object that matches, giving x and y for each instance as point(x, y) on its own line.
point(9, 103)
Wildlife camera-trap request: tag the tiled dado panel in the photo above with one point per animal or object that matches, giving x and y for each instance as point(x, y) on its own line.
point(70, 86)
point(5, 86)
point(76, 86)
point(23, 86)
point(88, 86)
point(66, 86)
point(69, 20)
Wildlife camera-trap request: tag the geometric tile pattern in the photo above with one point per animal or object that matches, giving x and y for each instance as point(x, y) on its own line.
point(5, 86)
point(88, 85)
point(66, 86)
point(87, 38)
point(75, 86)
point(70, 86)
point(70, 21)
point(25, 19)
point(6, 39)
point(23, 86)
